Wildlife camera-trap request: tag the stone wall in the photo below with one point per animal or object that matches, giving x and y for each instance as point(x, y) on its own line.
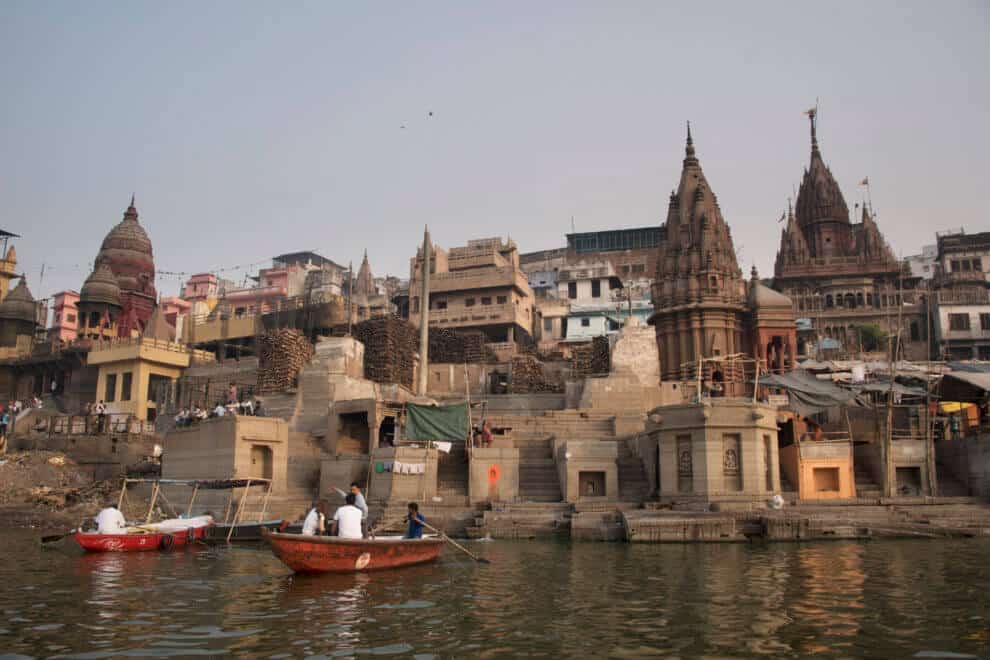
point(494, 475)
point(968, 459)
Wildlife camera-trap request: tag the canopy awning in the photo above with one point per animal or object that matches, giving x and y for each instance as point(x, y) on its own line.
point(808, 395)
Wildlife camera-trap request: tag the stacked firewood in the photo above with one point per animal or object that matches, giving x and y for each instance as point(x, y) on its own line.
point(390, 344)
point(591, 359)
point(282, 355)
point(528, 376)
point(446, 346)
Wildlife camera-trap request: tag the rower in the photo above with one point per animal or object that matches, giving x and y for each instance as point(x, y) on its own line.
point(347, 520)
point(110, 520)
point(359, 501)
point(315, 522)
point(416, 521)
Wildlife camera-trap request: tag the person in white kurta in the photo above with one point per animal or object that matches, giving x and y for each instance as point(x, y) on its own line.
point(315, 520)
point(110, 521)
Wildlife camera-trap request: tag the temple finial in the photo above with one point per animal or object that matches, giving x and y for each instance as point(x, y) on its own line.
point(812, 117)
point(132, 200)
point(689, 148)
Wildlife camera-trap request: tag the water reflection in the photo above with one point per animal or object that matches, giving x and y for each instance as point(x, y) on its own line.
point(545, 599)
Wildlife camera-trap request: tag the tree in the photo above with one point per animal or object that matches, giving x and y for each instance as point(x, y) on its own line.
point(872, 337)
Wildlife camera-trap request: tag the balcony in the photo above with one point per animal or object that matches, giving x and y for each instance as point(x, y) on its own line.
point(476, 278)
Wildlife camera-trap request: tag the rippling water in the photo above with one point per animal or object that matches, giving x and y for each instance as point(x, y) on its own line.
point(543, 599)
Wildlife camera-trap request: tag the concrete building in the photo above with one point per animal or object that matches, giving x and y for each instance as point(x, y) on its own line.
point(137, 375)
point(843, 275)
point(632, 252)
point(479, 286)
point(961, 315)
point(923, 265)
point(65, 317)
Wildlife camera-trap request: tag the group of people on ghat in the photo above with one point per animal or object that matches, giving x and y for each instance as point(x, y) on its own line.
point(350, 520)
point(234, 405)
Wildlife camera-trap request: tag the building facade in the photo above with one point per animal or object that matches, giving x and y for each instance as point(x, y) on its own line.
point(961, 316)
point(843, 275)
point(479, 286)
point(65, 317)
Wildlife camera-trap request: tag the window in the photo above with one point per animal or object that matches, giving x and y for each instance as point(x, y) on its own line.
point(639, 268)
point(469, 302)
point(966, 264)
point(70, 318)
point(625, 270)
point(955, 266)
point(110, 392)
point(548, 325)
point(125, 386)
point(486, 300)
point(977, 264)
point(958, 321)
point(572, 290)
point(415, 305)
point(585, 322)
point(984, 321)
point(828, 301)
point(441, 304)
point(915, 331)
point(501, 300)
point(56, 317)
point(596, 288)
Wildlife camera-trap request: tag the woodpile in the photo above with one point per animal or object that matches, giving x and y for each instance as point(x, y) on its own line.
point(390, 346)
point(459, 346)
point(591, 359)
point(282, 355)
point(528, 377)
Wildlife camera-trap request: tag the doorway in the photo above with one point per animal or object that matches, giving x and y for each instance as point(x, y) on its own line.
point(261, 462)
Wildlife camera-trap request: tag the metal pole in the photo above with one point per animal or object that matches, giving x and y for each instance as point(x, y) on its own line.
point(424, 319)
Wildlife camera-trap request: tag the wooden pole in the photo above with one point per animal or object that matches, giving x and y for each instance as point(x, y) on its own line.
point(240, 509)
point(191, 500)
point(424, 318)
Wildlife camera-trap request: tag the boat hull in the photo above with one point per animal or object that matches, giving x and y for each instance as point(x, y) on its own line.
point(328, 554)
point(138, 542)
point(246, 532)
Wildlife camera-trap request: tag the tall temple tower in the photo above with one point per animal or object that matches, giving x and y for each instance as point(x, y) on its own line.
point(839, 274)
point(699, 296)
point(127, 252)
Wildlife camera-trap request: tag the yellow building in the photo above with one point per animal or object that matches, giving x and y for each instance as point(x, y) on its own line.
point(136, 374)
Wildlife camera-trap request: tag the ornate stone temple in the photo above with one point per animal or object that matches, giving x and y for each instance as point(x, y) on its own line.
point(699, 297)
point(843, 275)
point(127, 252)
point(702, 306)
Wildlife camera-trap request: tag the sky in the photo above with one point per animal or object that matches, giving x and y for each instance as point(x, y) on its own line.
point(251, 129)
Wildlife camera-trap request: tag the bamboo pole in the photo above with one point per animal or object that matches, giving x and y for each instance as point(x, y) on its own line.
point(240, 509)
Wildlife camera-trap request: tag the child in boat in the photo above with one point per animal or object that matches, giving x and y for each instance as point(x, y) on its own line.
point(347, 520)
point(416, 521)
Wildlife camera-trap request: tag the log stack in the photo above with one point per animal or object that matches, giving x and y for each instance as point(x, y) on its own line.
point(282, 355)
point(446, 346)
point(390, 346)
point(528, 377)
point(591, 359)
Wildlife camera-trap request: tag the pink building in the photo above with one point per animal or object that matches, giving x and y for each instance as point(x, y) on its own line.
point(201, 288)
point(175, 311)
point(65, 322)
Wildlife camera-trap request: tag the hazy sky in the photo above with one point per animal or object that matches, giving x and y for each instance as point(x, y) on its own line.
point(252, 129)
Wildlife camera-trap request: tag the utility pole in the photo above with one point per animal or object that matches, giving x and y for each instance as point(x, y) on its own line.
point(424, 319)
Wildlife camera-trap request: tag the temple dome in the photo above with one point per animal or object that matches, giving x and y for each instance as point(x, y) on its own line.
point(127, 250)
point(100, 287)
point(19, 305)
point(819, 197)
point(763, 297)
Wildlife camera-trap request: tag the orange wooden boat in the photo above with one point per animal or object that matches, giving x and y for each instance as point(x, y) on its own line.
point(330, 554)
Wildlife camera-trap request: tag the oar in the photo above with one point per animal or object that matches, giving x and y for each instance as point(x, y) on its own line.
point(57, 537)
point(480, 560)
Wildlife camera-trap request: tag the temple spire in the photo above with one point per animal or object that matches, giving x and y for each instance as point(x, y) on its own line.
point(689, 156)
point(812, 116)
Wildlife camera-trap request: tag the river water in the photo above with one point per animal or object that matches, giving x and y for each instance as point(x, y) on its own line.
point(890, 599)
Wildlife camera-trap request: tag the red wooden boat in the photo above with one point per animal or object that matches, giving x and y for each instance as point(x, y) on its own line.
point(139, 540)
point(330, 554)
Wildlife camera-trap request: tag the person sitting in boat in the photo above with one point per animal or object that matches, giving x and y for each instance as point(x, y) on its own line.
point(416, 521)
point(359, 500)
point(347, 520)
point(110, 520)
point(315, 522)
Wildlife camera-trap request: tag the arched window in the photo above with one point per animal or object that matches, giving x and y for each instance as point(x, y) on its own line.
point(859, 299)
point(828, 301)
point(869, 299)
point(850, 301)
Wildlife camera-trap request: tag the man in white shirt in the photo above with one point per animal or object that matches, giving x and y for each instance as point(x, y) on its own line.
point(359, 501)
point(219, 411)
point(347, 520)
point(110, 521)
point(315, 522)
